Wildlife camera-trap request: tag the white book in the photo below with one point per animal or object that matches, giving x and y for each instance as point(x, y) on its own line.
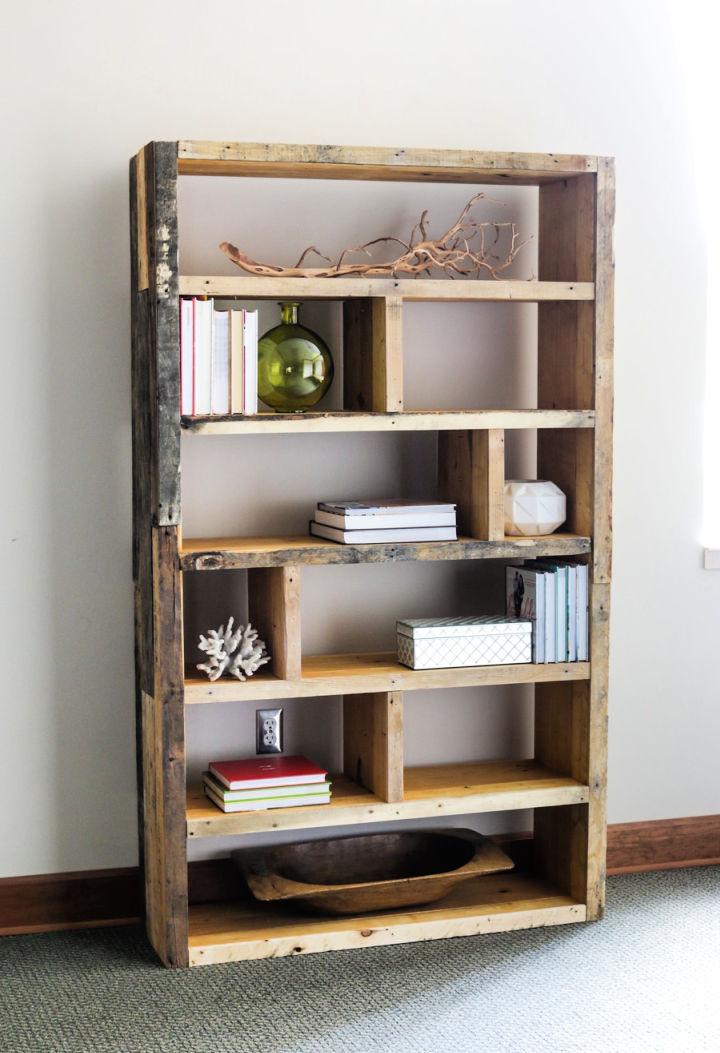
point(386, 506)
point(572, 611)
point(370, 537)
point(583, 640)
point(525, 595)
point(237, 364)
point(203, 356)
point(187, 378)
point(250, 361)
point(220, 379)
point(550, 606)
point(373, 522)
point(562, 618)
point(273, 802)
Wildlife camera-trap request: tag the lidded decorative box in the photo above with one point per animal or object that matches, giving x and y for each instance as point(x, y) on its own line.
point(446, 643)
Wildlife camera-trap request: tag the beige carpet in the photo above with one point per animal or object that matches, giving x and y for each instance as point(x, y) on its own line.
point(645, 980)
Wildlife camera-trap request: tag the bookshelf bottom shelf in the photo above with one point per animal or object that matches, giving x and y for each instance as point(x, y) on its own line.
point(243, 930)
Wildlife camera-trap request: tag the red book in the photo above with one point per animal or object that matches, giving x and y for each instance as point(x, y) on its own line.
point(251, 773)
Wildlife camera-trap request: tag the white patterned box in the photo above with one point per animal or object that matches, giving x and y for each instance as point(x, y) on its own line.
point(446, 643)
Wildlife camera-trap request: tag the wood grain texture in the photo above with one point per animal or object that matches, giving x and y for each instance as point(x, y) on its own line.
point(467, 290)
point(387, 353)
point(274, 610)
point(575, 358)
point(471, 472)
point(359, 420)
point(358, 358)
point(437, 790)
point(87, 899)
point(163, 731)
point(227, 553)
point(296, 161)
point(353, 674)
point(373, 743)
point(139, 213)
point(663, 844)
point(494, 903)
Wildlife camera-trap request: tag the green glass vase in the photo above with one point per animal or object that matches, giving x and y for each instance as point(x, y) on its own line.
point(295, 366)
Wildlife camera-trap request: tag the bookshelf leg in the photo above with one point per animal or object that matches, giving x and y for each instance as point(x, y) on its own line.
point(471, 472)
point(373, 742)
point(274, 606)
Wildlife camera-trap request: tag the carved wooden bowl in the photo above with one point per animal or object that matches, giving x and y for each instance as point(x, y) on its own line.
point(352, 875)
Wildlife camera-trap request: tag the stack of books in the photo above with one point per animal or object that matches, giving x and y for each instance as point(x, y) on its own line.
point(256, 783)
point(368, 522)
point(218, 359)
point(553, 593)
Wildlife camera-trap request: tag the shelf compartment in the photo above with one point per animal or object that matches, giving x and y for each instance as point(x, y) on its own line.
point(352, 674)
point(431, 791)
point(246, 287)
point(242, 553)
point(242, 930)
point(408, 420)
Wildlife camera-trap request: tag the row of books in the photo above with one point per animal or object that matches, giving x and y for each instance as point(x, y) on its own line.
point(218, 359)
point(256, 783)
point(368, 522)
point(553, 594)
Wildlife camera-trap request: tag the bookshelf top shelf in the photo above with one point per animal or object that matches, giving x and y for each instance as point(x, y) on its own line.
point(429, 290)
point(384, 163)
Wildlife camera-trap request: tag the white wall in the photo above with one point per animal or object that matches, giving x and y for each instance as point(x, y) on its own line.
point(86, 85)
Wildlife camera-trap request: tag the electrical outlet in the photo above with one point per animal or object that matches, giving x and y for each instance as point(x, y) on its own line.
point(268, 731)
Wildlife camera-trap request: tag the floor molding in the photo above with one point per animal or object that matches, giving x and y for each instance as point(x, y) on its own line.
point(93, 898)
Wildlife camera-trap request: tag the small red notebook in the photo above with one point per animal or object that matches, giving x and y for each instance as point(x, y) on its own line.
point(254, 772)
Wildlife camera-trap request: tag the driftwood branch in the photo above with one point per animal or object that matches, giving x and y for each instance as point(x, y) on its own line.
point(452, 253)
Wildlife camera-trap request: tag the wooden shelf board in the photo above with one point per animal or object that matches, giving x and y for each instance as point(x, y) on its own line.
point(247, 287)
point(409, 420)
point(243, 929)
point(308, 161)
point(352, 674)
point(436, 790)
point(237, 553)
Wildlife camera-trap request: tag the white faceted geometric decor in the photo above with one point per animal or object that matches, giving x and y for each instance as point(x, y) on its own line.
point(533, 506)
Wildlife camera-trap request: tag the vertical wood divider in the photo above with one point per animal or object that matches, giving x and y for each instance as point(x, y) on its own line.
point(373, 751)
point(373, 354)
point(274, 610)
point(471, 472)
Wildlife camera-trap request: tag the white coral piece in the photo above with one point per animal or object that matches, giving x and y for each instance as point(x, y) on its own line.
point(232, 653)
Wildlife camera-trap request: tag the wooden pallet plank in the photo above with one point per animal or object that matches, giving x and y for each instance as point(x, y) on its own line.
point(302, 161)
point(274, 607)
point(471, 472)
point(514, 290)
point(430, 791)
point(373, 742)
point(409, 420)
point(237, 931)
point(227, 553)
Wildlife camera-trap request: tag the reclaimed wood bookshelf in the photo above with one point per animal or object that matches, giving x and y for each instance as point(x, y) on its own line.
point(192, 922)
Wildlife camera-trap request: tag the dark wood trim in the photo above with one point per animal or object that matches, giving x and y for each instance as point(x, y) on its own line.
point(92, 898)
point(77, 900)
point(663, 844)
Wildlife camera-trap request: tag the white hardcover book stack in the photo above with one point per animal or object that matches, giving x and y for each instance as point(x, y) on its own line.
point(376, 522)
point(554, 594)
point(218, 359)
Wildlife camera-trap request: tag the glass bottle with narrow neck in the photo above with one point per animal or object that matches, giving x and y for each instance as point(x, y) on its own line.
point(295, 366)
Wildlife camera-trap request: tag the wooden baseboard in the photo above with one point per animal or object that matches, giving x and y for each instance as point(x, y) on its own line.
point(77, 900)
point(92, 898)
point(663, 844)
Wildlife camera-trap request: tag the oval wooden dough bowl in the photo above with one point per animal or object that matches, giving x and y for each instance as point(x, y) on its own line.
point(351, 875)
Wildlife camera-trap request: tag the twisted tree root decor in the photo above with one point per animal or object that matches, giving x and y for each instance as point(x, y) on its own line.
point(452, 253)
